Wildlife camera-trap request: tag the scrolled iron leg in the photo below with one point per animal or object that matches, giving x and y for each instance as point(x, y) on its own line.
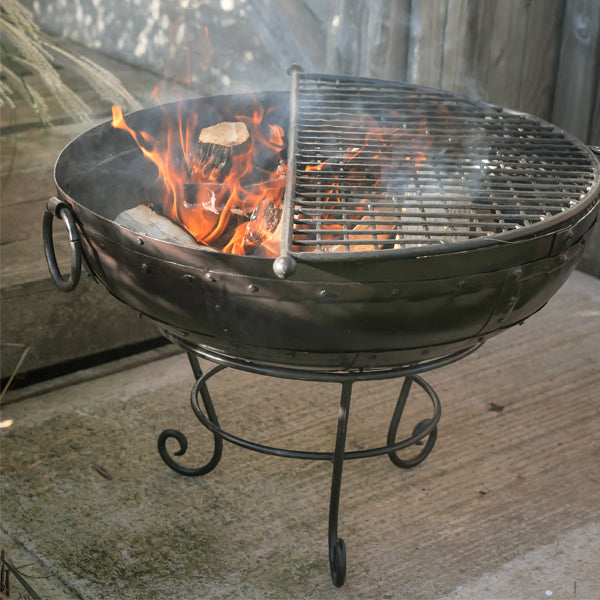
point(420, 430)
point(337, 548)
point(180, 437)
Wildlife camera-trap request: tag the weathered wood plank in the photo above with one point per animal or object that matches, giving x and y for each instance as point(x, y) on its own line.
point(22, 221)
point(387, 38)
point(539, 64)
point(594, 138)
point(59, 327)
point(277, 36)
point(309, 29)
point(426, 44)
point(578, 67)
point(507, 49)
point(35, 184)
point(467, 49)
point(36, 148)
point(377, 47)
point(345, 41)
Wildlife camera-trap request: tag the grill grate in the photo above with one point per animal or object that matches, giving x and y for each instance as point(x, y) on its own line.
point(381, 165)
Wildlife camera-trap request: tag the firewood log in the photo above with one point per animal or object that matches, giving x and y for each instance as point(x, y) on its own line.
point(142, 219)
point(374, 231)
point(217, 145)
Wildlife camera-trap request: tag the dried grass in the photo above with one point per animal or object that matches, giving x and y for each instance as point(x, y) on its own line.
point(25, 48)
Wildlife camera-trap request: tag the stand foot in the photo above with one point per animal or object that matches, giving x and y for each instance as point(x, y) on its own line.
point(180, 437)
point(337, 548)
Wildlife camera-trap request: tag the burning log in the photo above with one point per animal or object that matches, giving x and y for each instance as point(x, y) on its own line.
point(263, 231)
point(142, 219)
point(217, 146)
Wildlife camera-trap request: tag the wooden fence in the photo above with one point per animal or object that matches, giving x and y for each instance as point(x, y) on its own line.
point(538, 56)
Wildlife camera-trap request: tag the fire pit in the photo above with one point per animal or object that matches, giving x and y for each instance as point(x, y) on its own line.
point(351, 230)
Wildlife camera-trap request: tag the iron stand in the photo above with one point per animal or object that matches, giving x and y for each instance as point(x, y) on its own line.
point(426, 428)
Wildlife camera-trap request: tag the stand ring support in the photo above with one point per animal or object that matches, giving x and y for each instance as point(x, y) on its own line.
point(211, 423)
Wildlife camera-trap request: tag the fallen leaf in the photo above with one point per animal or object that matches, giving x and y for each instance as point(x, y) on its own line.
point(104, 472)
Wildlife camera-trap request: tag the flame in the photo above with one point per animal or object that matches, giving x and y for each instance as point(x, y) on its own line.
point(217, 209)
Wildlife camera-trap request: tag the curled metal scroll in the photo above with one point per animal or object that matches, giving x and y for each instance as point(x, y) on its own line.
point(198, 389)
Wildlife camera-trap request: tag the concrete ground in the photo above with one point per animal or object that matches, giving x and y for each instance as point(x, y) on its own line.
point(506, 505)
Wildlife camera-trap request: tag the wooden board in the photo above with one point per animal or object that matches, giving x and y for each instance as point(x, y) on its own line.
point(60, 327)
point(378, 47)
point(578, 73)
point(426, 47)
point(466, 46)
point(540, 61)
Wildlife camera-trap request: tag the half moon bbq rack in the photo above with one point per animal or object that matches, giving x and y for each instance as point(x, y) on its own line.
point(430, 197)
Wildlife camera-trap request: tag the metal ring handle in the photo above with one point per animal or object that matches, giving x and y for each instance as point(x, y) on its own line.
point(61, 210)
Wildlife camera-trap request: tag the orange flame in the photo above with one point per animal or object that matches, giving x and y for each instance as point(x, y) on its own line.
point(217, 209)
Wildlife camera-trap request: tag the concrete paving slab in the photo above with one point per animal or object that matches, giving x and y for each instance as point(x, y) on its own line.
point(506, 506)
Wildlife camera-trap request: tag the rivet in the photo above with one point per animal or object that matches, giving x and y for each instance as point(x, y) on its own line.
point(563, 258)
point(217, 307)
point(461, 283)
point(225, 330)
point(188, 278)
point(348, 331)
point(210, 278)
point(140, 241)
point(395, 292)
point(253, 288)
point(145, 268)
point(517, 272)
point(324, 293)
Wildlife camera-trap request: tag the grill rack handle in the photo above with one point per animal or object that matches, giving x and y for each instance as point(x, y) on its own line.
point(284, 265)
point(61, 210)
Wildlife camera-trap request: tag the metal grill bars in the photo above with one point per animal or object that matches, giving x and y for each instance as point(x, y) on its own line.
point(377, 165)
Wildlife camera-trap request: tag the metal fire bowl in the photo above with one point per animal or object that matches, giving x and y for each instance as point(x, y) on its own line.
point(377, 310)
